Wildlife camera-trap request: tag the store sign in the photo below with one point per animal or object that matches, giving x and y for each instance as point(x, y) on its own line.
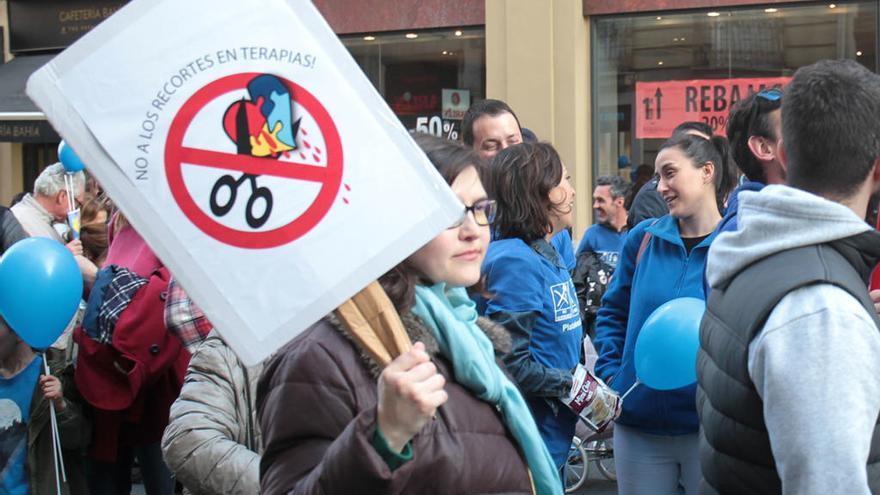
point(251, 152)
point(27, 131)
point(455, 103)
point(663, 105)
point(434, 125)
point(54, 24)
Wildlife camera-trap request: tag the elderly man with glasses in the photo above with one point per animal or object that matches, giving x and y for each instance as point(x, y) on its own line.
point(48, 205)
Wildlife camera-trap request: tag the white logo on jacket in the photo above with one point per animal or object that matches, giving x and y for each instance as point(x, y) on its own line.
point(565, 303)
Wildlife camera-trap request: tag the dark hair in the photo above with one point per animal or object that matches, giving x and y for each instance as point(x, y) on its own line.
point(692, 125)
point(830, 129)
point(520, 182)
point(489, 107)
point(620, 188)
point(450, 158)
point(739, 132)
point(17, 198)
point(94, 241)
point(702, 151)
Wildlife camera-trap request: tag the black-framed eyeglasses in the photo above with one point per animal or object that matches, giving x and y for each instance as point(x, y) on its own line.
point(769, 95)
point(484, 213)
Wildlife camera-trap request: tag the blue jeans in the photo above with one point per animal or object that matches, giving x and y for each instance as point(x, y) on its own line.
point(109, 478)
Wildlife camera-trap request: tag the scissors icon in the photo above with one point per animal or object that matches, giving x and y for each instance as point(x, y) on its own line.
point(228, 181)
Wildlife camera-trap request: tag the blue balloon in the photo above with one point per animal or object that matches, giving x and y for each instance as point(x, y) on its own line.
point(40, 289)
point(666, 349)
point(68, 158)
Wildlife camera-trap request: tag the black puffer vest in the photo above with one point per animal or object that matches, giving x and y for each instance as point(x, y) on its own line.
point(735, 450)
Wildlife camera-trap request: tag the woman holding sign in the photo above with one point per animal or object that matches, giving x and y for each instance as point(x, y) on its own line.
point(656, 446)
point(443, 418)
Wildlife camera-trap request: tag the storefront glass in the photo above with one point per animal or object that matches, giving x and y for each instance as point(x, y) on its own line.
point(428, 78)
point(652, 72)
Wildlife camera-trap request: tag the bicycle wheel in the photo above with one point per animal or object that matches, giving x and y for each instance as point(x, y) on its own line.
point(575, 471)
point(601, 452)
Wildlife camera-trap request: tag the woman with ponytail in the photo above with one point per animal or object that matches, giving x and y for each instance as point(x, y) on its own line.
point(656, 442)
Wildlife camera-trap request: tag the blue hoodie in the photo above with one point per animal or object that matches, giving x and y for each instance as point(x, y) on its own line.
point(665, 272)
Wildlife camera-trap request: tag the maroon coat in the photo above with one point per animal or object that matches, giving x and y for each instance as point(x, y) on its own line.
point(317, 402)
point(132, 384)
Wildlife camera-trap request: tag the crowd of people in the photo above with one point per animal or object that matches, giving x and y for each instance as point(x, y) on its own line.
point(766, 223)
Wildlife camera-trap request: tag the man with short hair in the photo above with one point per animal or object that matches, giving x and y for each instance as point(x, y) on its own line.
point(606, 236)
point(754, 129)
point(599, 250)
point(490, 126)
point(48, 204)
point(789, 357)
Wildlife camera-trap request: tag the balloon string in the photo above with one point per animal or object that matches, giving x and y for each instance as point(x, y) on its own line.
point(56, 438)
point(634, 385)
point(68, 184)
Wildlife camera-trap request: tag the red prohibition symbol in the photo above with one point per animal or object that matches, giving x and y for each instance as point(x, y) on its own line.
point(177, 155)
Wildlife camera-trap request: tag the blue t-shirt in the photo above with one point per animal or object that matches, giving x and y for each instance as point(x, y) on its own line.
point(603, 241)
point(565, 248)
point(15, 407)
point(523, 281)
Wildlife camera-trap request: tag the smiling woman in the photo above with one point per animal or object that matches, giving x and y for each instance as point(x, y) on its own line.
point(662, 259)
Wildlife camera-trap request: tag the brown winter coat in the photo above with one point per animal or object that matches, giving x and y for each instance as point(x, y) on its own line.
point(317, 401)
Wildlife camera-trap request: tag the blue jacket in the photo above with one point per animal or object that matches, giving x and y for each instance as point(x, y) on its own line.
point(665, 272)
point(728, 223)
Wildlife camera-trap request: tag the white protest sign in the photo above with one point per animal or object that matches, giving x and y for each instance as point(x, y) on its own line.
point(247, 147)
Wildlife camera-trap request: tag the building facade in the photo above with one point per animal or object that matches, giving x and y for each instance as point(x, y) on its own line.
point(604, 81)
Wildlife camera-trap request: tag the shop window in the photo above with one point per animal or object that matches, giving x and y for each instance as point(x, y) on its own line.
point(35, 157)
point(428, 78)
point(652, 72)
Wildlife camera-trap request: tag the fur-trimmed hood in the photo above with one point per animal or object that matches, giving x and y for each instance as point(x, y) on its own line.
point(419, 332)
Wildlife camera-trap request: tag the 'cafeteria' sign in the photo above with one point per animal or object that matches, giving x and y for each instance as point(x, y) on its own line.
point(662, 105)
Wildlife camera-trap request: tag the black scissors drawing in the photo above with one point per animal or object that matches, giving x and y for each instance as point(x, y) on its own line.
point(244, 148)
point(232, 183)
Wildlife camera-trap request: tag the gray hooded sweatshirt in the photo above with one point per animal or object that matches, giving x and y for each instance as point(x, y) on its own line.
point(816, 362)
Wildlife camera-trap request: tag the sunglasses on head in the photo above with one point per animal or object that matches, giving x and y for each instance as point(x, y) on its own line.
point(770, 94)
point(484, 213)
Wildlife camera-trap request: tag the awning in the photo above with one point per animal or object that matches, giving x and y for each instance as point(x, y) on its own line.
point(14, 103)
point(20, 119)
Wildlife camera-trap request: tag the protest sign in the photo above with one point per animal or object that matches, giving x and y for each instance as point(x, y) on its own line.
point(246, 146)
point(662, 105)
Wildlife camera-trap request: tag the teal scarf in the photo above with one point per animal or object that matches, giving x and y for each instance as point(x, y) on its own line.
point(451, 316)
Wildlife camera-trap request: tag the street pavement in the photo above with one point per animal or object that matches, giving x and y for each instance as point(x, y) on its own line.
point(596, 484)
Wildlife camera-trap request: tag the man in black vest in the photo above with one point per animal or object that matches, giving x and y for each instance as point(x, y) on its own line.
point(789, 362)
